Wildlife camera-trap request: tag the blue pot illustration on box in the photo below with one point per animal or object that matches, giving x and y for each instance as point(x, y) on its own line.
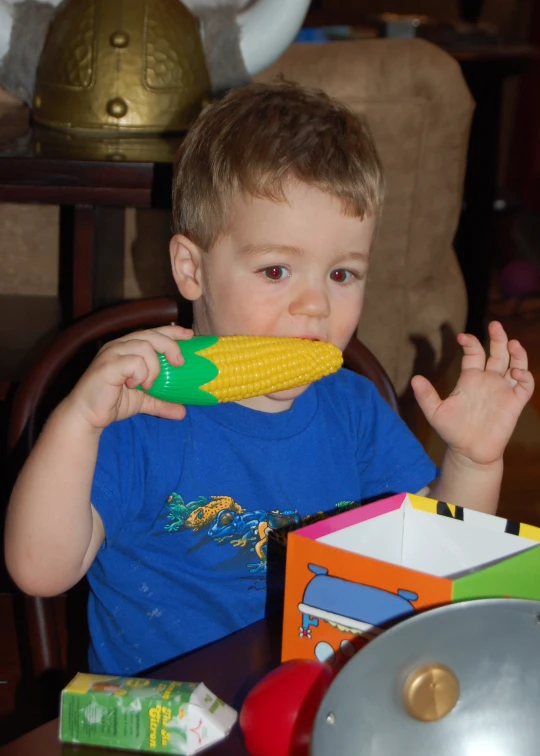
point(350, 606)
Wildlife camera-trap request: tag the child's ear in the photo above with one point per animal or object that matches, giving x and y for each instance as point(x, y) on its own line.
point(186, 260)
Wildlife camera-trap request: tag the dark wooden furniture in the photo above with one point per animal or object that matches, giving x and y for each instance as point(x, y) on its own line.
point(230, 667)
point(93, 180)
point(524, 168)
point(485, 70)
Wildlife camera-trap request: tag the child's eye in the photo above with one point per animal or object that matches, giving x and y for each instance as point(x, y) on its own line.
point(275, 272)
point(340, 275)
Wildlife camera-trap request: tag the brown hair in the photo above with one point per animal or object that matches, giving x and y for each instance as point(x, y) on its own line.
point(259, 136)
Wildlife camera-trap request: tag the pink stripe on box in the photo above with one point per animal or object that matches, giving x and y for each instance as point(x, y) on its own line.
point(337, 522)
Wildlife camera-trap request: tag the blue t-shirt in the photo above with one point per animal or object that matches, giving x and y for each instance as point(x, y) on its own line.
point(187, 505)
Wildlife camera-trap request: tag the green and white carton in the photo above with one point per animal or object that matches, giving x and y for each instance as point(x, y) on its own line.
point(135, 713)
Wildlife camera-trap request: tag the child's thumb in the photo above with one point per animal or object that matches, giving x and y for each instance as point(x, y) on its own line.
point(159, 408)
point(426, 396)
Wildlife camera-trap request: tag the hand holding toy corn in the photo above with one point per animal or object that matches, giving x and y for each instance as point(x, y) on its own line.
point(229, 368)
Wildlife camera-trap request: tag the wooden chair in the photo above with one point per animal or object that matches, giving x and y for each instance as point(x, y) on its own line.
point(43, 635)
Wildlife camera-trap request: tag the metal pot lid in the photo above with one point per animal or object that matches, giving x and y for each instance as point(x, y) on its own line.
point(461, 679)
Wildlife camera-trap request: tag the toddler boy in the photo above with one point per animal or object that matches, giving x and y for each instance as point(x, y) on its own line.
point(277, 195)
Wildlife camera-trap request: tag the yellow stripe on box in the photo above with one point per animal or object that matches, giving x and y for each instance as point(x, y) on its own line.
point(529, 531)
point(424, 504)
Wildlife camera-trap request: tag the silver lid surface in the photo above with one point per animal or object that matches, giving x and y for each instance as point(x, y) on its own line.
point(461, 679)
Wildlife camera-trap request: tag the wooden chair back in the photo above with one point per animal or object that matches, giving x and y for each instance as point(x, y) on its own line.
point(45, 635)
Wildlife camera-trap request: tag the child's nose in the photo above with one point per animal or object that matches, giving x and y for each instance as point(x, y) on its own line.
point(312, 301)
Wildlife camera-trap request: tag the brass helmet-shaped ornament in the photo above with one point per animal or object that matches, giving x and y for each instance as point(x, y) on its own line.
point(121, 66)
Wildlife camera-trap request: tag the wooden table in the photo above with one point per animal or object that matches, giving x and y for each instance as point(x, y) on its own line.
point(229, 667)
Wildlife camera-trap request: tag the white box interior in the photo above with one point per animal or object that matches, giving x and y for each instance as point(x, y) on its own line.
point(437, 545)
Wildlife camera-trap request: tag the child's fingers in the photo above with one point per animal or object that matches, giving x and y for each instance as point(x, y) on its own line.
point(176, 332)
point(164, 340)
point(129, 369)
point(474, 356)
point(159, 408)
point(136, 348)
point(499, 356)
point(518, 355)
point(171, 349)
point(426, 396)
point(150, 343)
point(524, 386)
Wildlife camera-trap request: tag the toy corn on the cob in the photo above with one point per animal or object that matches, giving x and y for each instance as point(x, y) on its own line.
point(229, 368)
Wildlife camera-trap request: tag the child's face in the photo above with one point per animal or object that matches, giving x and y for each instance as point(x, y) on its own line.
point(295, 268)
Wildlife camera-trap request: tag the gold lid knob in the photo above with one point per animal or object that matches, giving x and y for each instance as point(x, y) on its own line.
point(430, 692)
point(119, 39)
point(117, 107)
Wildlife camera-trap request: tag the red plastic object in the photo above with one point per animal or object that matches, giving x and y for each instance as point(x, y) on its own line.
point(278, 714)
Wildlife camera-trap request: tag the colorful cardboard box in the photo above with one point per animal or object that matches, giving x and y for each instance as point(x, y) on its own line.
point(135, 713)
point(350, 576)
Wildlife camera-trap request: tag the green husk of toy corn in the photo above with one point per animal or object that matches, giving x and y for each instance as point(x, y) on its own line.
point(181, 383)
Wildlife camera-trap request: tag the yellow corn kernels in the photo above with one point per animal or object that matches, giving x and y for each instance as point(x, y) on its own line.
point(257, 365)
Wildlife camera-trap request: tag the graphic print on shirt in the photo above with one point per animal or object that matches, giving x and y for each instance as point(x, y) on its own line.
point(223, 520)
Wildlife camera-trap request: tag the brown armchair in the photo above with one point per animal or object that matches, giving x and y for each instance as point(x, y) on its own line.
point(419, 109)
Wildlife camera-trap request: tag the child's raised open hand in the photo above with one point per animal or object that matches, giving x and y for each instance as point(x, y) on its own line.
point(107, 390)
point(479, 417)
